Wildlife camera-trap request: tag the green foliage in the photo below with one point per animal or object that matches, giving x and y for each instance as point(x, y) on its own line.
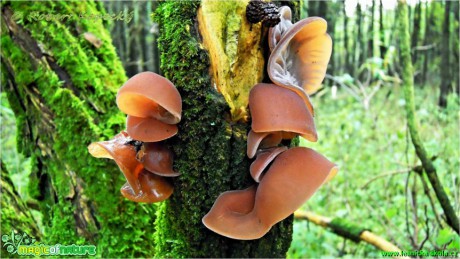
point(369, 144)
point(13, 160)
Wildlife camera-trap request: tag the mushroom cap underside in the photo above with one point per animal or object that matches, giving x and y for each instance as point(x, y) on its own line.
point(263, 160)
point(262, 140)
point(276, 33)
point(301, 57)
point(124, 155)
point(149, 129)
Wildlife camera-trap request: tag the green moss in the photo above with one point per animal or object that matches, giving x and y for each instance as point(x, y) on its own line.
point(346, 229)
point(210, 164)
point(57, 120)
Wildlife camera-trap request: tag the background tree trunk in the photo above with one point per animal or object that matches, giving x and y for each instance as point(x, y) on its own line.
point(455, 49)
point(135, 41)
point(446, 79)
point(358, 48)
point(210, 147)
point(346, 44)
point(416, 31)
point(446, 53)
point(62, 89)
point(383, 45)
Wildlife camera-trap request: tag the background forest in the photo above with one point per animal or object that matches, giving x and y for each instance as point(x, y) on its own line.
point(361, 119)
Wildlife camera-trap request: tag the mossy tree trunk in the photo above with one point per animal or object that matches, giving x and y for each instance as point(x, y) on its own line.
point(213, 56)
point(15, 213)
point(62, 89)
point(412, 123)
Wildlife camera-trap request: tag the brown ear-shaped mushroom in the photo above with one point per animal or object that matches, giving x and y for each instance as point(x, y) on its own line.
point(264, 158)
point(300, 58)
point(262, 140)
point(154, 188)
point(275, 108)
point(149, 129)
point(124, 155)
point(290, 181)
point(158, 159)
point(236, 203)
point(276, 33)
point(150, 95)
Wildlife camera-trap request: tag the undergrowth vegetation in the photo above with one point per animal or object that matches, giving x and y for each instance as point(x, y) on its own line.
point(373, 188)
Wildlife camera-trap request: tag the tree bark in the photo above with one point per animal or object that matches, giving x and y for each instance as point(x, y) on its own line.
point(62, 89)
point(346, 42)
point(446, 74)
point(213, 61)
point(371, 31)
point(383, 45)
point(358, 50)
point(455, 49)
point(416, 31)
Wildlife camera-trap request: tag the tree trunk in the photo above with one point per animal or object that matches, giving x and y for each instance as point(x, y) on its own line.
point(407, 77)
point(358, 50)
point(371, 31)
point(455, 49)
point(62, 89)
point(426, 37)
point(446, 75)
point(210, 147)
point(135, 41)
point(383, 45)
point(346, 43)
point(416, 31)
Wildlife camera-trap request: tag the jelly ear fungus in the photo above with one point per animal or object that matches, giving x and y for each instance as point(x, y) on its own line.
point(286, 177)
point(154, 107)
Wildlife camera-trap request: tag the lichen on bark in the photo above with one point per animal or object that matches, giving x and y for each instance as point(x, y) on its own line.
point(235, 50)
point(210, 149)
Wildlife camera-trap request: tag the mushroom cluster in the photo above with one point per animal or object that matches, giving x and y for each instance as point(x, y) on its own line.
point(285, 178)
point(154, 107)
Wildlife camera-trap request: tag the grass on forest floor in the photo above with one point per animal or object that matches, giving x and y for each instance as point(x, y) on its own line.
point(369, 143)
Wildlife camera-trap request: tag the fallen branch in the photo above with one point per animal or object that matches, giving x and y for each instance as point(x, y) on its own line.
point(425, 47)
point(348, 230)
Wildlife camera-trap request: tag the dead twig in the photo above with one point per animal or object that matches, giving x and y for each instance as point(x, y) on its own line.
point(400, 171)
